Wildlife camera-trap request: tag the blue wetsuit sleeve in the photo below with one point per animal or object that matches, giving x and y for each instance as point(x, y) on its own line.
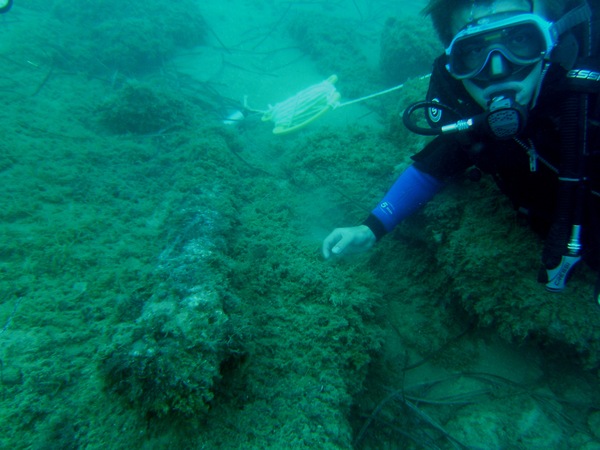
point(410, 191)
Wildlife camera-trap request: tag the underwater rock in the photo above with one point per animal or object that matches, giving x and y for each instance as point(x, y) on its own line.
point(407, 49)
point(594, 424)
point(518, 420)
point(491, 264)
point(335, 47)
point(131, 37)
point(10, 376)
point(168, 360)
point(142, 108)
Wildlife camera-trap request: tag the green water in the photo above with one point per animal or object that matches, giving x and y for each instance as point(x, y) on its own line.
point(162, 284)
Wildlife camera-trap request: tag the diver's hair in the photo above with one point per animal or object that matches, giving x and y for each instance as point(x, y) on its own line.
point(441, 12)
point(441, 15)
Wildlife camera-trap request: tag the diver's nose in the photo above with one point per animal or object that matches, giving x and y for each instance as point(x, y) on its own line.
point(498, 66)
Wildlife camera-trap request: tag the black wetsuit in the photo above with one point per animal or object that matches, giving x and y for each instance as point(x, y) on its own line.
point(533, 192)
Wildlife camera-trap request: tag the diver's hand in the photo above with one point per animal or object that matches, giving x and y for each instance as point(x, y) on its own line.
point(348, 240)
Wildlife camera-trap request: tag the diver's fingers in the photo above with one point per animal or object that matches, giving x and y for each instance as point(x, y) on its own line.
point(331, 243)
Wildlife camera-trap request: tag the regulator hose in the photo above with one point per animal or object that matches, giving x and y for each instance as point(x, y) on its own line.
point(409, 122)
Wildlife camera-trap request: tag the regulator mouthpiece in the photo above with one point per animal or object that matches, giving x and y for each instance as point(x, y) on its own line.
point(505, 118)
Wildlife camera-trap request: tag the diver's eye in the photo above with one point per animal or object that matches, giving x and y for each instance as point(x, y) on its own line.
point(472, 53)
point(524, 42)
point(473, 50)
point(520, 39)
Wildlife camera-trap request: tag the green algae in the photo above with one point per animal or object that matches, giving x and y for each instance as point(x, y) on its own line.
point(157, 291)
point(144, 108)
point(130, 37)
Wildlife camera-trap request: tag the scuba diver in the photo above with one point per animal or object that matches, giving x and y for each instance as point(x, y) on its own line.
point(5, 6)
point(514, 95)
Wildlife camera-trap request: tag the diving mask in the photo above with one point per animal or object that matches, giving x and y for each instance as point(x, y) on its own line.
point(523, 39)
